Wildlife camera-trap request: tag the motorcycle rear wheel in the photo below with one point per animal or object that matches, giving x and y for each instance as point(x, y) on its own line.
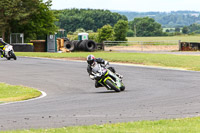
point(112, 85)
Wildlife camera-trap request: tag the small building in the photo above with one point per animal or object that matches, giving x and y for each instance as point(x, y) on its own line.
point(83, 36)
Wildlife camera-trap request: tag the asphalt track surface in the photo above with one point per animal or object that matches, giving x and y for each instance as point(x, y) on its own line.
point(72, 99)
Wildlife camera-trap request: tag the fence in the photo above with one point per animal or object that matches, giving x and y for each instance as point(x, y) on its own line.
point(16, 38)
point(163, 45)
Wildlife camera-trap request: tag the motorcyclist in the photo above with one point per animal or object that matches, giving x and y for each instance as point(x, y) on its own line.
point(2, 44)
point(92, 61)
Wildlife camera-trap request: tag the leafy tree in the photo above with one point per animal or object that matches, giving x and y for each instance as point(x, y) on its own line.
point(177, 29)
point(93, 36)
point(39, 23)
point(195, 28)
point(90, 31)
point(79, 31)
point(185, 30)
point(146, 27)
point(31, 17)
point(130, 33)
point(106, 33)
point(14, 10)
point(120, 30)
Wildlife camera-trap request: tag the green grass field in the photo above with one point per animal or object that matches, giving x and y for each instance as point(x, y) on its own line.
point(11, 93)
point(188, 62)
point(183, 38)
point(187, 125)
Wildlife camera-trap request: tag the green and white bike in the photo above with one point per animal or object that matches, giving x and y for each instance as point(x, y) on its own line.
point(107, 78)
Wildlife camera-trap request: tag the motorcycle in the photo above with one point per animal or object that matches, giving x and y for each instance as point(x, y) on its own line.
point(107, 78)
point(9, 52)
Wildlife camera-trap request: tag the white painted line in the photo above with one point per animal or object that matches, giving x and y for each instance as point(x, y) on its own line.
point(42, 96)
point(122, 64)
point(154, 67)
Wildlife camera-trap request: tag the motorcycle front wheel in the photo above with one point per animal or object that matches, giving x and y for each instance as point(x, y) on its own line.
point(13, 56)
point(122, 88)
point(112, 85)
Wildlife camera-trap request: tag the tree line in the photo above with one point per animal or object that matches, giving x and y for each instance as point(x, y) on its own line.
point(167, 19)
point(88, 19)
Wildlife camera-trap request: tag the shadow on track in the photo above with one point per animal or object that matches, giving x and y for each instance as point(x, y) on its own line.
point(111, 91)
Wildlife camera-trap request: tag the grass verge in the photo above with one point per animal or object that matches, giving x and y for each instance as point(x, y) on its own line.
point(187, 125)
point(11, 93)
point(188, 62)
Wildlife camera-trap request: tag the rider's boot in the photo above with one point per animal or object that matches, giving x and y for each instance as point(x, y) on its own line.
point(97, 85)
point(1, 52)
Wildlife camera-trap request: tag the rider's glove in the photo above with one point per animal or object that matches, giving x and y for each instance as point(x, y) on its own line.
point(106, 63)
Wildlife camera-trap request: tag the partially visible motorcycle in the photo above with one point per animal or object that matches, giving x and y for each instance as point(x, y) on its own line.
point(9, 52)
point(107, 78)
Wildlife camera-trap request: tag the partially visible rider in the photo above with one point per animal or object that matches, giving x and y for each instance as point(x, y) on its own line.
point(2, 44)
point(92, 61)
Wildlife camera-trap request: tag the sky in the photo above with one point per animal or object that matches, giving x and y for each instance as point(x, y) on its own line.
point(129, 5)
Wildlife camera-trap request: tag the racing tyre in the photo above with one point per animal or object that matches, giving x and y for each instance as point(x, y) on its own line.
point(90, 46)
point(122, 88)
point(13, 55)
point(69, 45)
point(112, 85)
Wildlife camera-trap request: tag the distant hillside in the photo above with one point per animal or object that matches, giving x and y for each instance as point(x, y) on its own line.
point(167, 19)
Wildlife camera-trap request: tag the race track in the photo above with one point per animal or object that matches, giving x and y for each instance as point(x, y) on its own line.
point(72, 99)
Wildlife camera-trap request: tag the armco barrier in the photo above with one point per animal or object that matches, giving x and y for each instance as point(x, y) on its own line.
point(23, 47)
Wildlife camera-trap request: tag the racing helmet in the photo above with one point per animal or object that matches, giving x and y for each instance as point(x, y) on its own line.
point(90, 59)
